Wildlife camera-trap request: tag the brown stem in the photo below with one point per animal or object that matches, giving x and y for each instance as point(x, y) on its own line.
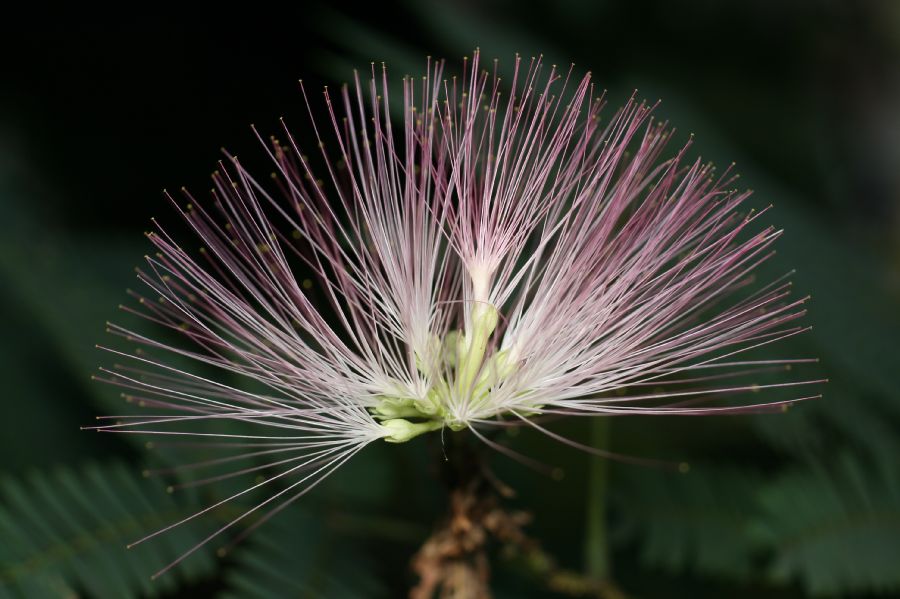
point(454, 563)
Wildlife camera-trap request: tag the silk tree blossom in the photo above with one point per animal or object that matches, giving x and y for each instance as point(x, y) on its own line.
point(509, 252)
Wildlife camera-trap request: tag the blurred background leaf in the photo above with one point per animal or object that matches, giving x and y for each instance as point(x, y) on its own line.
point(65, 532)
point(835, 527)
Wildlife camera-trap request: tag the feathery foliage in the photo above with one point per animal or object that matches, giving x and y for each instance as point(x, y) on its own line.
point(64, 533)
point(835, 528)
point(296, 557)
point(697, 521)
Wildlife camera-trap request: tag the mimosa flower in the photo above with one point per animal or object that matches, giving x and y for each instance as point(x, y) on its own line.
point(508, 252)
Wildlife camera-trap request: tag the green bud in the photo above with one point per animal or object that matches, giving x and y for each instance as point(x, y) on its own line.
point(496, 368)
point(396, 407)
point(400, 430)
point(433, 404)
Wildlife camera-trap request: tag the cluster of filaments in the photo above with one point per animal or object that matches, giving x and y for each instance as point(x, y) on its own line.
point(504, 254)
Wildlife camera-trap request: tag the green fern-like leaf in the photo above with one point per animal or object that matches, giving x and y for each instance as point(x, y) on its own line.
point(837, 530)
point(694, 521)
point(64, 534)
point(297, 556)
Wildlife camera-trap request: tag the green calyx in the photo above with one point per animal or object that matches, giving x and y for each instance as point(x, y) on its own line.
point(397, 407)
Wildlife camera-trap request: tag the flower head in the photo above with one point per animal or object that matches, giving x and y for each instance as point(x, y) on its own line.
point(508, 252)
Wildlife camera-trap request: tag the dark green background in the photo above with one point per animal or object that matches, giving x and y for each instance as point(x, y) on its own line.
point(97, 116)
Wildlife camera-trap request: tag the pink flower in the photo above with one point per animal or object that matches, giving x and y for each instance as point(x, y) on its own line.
point(502, 256)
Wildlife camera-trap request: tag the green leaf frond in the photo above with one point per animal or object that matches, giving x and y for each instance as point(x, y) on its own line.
point(64, 533)
point(694, 521)
point(835, 529)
